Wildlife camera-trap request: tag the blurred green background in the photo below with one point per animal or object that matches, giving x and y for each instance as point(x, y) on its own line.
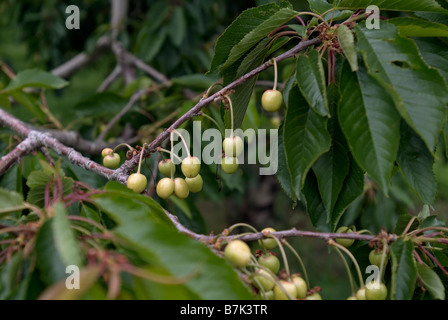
point(177, 38)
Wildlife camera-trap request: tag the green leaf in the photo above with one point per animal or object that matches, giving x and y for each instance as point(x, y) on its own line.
point(35, 78)
point(37, 178)
point(142, 207)
point(314, 205)
point(56, 246)
point(36, 195)
point(370, 123)
point(241, 96)
point(419, 92)
point(247, 30)
point(305, 138)
point(414, 27)
point(435, 53)
point(150, 43)
point(397, 5)
point(59, 291)
point(100, 104)
point(352, 188)
point(347, 42)
point(311, 80)
point(403, 220)
point(29, 103)
point(10, 199)
point(301, 30)
point(319, 6)
point(177, 26)
point(332, 167)
point(424, 213)
point(189, 215)
point(404, 272)
point(431, 281)
point(283, 174)
point(10, 274)
point(416, 162)
point(175, 252)
point(197, 81)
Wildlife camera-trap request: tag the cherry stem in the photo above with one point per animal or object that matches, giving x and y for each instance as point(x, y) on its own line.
point(122, 144)
point(231, 115)
point(89, 221)
point(183, 141)
point(141, 157)
point(275, 74)
point(415, 232)
point(301, 21)
point(350, 277)
point(433, 259)
point(169, 152)
point(317, 16)
point(172, 153)
point(285, 259)
point(207, 93)
point(383, 257)
point(408, 226)
point(302, 265)
point(241, 224)
point(331, 242)
point(212, 120)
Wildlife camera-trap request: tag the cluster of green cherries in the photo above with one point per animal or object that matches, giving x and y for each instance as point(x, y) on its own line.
point(136, 181)
point(180, 187)
point(372, 290)
point(265, 278)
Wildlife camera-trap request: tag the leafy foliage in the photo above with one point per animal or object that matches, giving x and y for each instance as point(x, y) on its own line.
point(362, 142)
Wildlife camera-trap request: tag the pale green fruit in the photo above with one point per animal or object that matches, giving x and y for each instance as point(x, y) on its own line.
point(233, 146)
point(237, 253)
point(181, 188)
point(272, 100)
point(289, 287)
point(195, 184)
point(165, 188)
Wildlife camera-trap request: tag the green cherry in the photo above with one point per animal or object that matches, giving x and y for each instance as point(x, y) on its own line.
point(233, 146)
point(137, 182)
point(165, 188)
point(181, 188)
point(237, 253)
point(195, 184)
point(190, 167)
point(229, 164)
point(272, 100)
point(165, 167)
point(111, 161)
point(344, 242)
point(269, 261)
point(269, 243)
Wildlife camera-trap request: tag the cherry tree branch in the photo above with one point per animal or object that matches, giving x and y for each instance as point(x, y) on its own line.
point(129, 165)
point(123, 172)
point(82, 59)
point(326, 236)
point(110, 79)
point(39, 139)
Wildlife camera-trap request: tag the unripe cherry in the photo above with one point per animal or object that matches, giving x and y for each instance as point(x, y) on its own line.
point(195, 184)
point(165, 188)
point(190, 167)
point(272, 100)
point(137, 182)
point(233, 146)
point(181, 188)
